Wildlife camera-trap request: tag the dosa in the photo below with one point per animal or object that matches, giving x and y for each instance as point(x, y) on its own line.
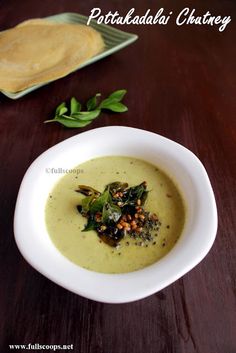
point(37, 51)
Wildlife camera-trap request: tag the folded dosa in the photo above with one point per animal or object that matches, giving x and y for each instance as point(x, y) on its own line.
point(38, 51)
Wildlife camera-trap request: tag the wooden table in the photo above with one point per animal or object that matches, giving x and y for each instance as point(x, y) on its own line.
point(181, 83)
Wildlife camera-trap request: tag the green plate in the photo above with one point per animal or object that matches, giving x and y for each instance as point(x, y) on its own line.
point(114, 40)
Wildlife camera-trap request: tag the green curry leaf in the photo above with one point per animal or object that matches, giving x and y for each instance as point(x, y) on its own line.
point(114, 107)
point(118, 95)
point(92, 102)
point(61, 109)
point(87, 116)
point(68, 122)
point(75, 106)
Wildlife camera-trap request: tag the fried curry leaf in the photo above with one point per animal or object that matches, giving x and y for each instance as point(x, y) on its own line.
point(91, 225)
point(144, 196)
point(109, 240)
point(86, 203)
point(135, 193)
point(116, 186)
point(97, 205)
point(110, 213)
point(87, 190)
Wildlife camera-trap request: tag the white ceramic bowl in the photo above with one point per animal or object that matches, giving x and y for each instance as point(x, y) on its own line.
point(199, 232)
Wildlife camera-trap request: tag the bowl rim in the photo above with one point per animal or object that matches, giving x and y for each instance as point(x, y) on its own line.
point(126, 287)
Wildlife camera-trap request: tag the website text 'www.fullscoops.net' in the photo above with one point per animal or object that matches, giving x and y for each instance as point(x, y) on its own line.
point(38, 346)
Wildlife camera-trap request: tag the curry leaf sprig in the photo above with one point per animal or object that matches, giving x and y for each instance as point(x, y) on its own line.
point(74, 117)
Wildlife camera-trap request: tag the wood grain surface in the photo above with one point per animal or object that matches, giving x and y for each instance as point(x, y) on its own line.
point(181, 83)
